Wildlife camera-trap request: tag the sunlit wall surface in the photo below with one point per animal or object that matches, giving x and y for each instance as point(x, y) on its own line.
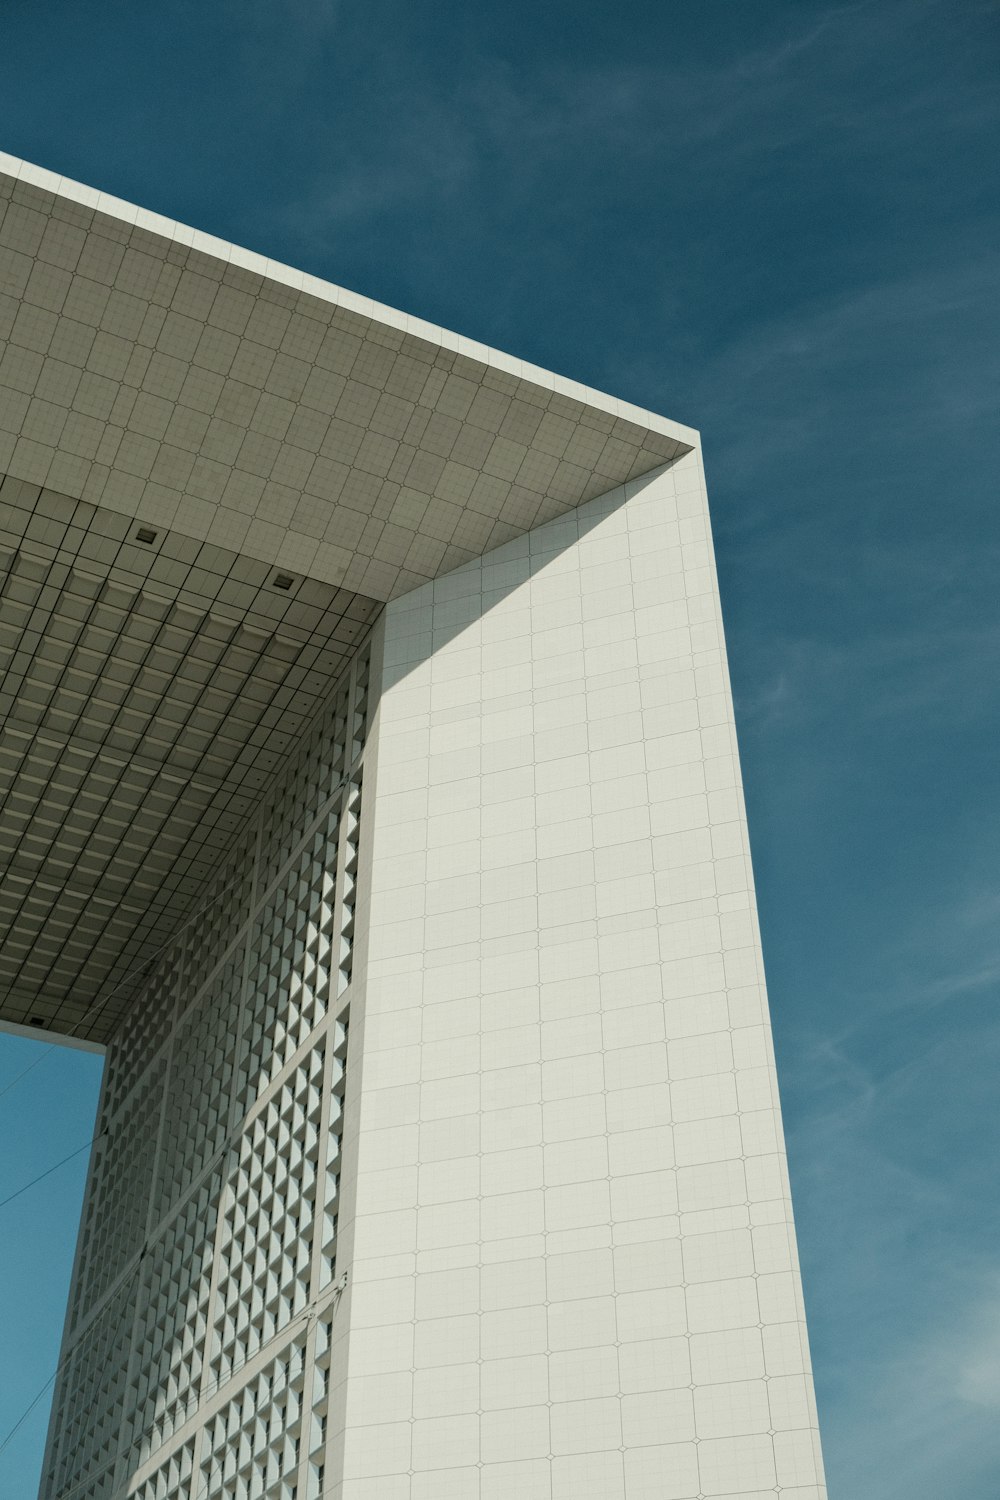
point(371, 791)
point(523, 1225)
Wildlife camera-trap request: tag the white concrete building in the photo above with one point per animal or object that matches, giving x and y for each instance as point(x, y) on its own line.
point(372, 794)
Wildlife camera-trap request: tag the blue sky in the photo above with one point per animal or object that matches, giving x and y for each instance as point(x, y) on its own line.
point(778, 223)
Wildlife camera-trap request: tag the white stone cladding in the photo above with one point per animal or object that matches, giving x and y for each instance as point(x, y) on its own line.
point(440, 1155)
point(205, 1288)
point(572, 1260)
point(535, 1241)
point(199, 445)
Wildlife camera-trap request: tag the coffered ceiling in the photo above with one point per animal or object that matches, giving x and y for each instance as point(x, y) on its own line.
point(217, 469)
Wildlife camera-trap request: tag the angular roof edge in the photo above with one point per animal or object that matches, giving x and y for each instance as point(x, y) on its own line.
point(328, 291)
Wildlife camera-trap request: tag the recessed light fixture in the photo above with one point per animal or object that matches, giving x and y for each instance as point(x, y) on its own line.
point(35, 1021)
point(282, 581)
point(144, 534)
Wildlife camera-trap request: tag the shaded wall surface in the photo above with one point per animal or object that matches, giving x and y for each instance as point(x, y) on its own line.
point(573, 1270)
point(195, 1352)
point(441, 1155)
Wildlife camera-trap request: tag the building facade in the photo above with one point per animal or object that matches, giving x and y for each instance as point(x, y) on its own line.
point(375, 801)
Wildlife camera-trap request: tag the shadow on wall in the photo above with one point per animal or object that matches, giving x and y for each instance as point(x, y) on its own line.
point(421, 623)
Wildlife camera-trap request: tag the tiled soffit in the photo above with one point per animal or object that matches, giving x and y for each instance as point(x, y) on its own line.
point(297, 455)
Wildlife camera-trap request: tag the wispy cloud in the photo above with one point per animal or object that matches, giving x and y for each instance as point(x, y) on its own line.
point(909, 1404)
point(505, 129)
point(281, 47)
point(779, 232)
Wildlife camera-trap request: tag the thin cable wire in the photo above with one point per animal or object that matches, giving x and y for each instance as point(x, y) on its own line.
point(61, 1365)
point(335, 1305)
point(197, 1397)
point(17, 1079)
point(195, 1400)
point(332, 1489)
point(139, 968)
point(89, 1019)
point(201, 1394)
point(49, 1170)
point(73, 1030)
point(51, 1046)
point(152, 957)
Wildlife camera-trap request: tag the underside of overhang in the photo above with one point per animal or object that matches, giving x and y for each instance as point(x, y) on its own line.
point(217, 468)
point(151, 684)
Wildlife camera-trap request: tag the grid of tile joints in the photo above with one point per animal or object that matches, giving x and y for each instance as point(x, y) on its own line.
point(148, 692)
point(266, 1242)
point(171, 1481)
point(573, 1268)
point(240, 1225)
point(96, 1369)
point(253, 1445)
point(165, 1375)
point(169, 376)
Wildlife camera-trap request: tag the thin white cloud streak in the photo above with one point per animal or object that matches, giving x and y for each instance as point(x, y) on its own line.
point(910, 1395)
point(908, 1415)
point(910, 1410)
point(281, 45)
point(933, 671)
point(877, 367)
point(925, 1421)
point(503, 131)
